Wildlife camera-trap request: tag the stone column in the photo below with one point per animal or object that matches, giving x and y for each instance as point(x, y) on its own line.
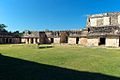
point(26, 41)
point(8, 40)
point(0, 40)
point(38, 40)
point(5, 40)
point(29, 40)
point(15, 40)
point(12, 40)
point(34, 41)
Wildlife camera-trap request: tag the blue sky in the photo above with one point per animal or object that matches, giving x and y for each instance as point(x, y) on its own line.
point(51, 14)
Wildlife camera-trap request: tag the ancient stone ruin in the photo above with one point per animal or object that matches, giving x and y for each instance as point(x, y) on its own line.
point(101, 30)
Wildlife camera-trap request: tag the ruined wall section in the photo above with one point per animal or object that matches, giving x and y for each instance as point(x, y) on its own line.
point(112, 41)
point(93, 41)
point(105, 19)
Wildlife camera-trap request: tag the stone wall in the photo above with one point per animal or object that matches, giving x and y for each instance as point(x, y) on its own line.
point(112, 41)
point(23, 40)
point(83, 41)
point(93, 41)
point(16, 40)
point(71, 40)
point(57, 40)
point(103, 19)
point(106, 21)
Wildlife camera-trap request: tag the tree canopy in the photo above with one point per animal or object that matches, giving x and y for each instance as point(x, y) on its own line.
point(2, 26)
point(15, 34)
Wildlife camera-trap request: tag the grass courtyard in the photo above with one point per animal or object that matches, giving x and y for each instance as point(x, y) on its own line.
point(27, 62)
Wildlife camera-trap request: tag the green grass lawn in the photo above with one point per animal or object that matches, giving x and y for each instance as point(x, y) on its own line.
point(27, 62)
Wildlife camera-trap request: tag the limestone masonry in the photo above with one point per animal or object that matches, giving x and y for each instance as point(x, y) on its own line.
point(101, 29)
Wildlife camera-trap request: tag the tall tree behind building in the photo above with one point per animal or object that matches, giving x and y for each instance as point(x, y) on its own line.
point(2, 26)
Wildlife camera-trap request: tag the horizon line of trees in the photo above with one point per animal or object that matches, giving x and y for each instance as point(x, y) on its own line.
point(14, 34)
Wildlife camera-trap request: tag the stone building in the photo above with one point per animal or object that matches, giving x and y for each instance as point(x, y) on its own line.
point(57, 37)
point(34, 37)
point(104, 29)
point(101, 29)
point(6, 38)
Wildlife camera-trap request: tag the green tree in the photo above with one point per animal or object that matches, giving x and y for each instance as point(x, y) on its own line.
point(2, 26)
point(17, 34)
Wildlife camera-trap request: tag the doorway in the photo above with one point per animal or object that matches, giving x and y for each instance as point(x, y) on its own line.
point(77, 40)
point(31, 40)
point(52, 40)
point(102, 41)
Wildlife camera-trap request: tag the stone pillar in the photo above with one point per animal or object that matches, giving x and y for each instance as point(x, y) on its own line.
point(29, 40)
point(0, 40)
point(8, 40)
point(15, 40)
point(34, 40)
point(5, 40)
point(12, 40)
point(26, 41)
point(38, 40)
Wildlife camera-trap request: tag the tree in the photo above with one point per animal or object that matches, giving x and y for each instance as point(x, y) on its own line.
point(2, 26)
point(17, 34)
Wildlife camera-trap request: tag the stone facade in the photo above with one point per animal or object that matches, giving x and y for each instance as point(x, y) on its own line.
point(71, 40)
point(101, 29)
point(83, 41)
point(104, 19)
point(6, 38)
point(34, 37)
point(94, 41)
point(112, 41)
point(70, 37)
point(57, 40)
point(104, 29)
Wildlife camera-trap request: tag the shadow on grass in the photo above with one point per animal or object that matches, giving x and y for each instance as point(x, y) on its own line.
point(17, 69)
point(42, 47)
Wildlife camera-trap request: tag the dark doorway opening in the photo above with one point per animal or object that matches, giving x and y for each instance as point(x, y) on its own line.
point(3, 40)
point(52, 40)
point(66, 39)
point(102, 41)
point(10, 40)
point(6, 40)
point(88, 30)
point(27, 40)
point(77, 40)
point(32, 40)
point(36, 40)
